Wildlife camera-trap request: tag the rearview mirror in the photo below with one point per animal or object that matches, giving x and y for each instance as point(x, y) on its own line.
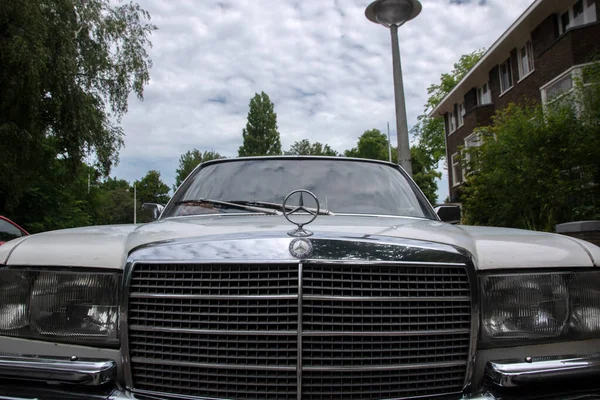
point(151, 212)
point(449, 214)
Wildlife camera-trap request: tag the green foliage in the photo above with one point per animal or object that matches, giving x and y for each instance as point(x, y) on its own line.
point(373, 144)
point(261, 137)
point(424, 172)
point(57, 200)
point(430, 131)
point(114, 203)
point(543, 166)
point(67, 68)
point(151, 189)
point(305, 148)
point(190, 160)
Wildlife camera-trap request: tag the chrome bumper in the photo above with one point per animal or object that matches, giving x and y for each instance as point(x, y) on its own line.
point(58, 370)
point(534, 371)
point(96, 379)
point(31, 394)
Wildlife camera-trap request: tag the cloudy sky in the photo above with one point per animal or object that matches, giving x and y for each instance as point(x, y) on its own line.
point(324, 65)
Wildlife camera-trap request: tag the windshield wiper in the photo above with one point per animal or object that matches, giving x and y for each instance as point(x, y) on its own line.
point(228, 204)
point(278, 206)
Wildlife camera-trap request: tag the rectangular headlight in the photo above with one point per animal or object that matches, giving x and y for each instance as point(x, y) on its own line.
point(529, 308)
point(75, 307)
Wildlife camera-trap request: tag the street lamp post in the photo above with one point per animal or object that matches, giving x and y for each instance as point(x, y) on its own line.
point(393, 14)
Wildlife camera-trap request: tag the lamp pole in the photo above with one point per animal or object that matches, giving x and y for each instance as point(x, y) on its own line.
point(393, 14)
point(134, 204)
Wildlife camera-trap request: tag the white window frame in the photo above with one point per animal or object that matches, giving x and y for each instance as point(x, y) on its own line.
point(460, 115)
point(451, 122)
point(466, 154)
point(575, 72)
point(482, 98)
point(526, 64)
point(455, 165)
point(588, 16)
point(512, 83)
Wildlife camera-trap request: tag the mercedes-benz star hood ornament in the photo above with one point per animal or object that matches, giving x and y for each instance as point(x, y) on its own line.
point(288, 212)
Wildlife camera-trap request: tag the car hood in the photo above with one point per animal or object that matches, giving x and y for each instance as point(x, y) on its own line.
point(109, 246)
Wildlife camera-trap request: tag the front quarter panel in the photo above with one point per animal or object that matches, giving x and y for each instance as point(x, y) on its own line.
point(505, 248)
point(7, 248)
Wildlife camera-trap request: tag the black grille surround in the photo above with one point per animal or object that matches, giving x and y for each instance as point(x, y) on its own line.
point(299, 330)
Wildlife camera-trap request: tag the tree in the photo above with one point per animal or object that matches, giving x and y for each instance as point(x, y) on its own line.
point(424, 172)
point(261, 137)
point(305, 148)
point(538, 166)
point(66, 71)
point(373, 144)
point(190, 160)
point(151, 189)
point(430, 131)
point(58, 200)
point(114, 204)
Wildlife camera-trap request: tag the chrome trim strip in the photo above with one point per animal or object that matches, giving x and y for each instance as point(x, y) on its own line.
point(223, 261)
point(381, 263)
point(124, 324)
point(207, 297)
point(123, 395)
point(474, 286)
point(403, 299)
point(385, 333)
point(207, 365)
point(520, 373)
point(299, 344)
point(272, 247)
point(389, 367)
point(90, 372)
point(212, 331)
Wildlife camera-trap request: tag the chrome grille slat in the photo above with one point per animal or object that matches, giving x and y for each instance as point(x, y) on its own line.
point(299, 331)
point(361, 385)
point(387, 299)
point(386, 333)
point(209, 331)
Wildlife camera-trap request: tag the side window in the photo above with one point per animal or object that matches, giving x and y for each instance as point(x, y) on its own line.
point(8, 231)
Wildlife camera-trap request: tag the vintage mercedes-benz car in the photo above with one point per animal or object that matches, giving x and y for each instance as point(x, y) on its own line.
point(299, 278)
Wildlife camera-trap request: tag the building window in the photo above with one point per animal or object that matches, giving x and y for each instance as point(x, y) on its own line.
point(526, 60)
point(565, 22)
point(471, 141)
point(461, 114)
point(578, 8)
point(561, 86)
point(451, 122)
point(582, 12)
point(456, 170)
point(506, 80)
point(484, 96)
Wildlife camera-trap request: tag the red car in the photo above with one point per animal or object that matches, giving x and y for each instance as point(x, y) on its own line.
point(9, 230)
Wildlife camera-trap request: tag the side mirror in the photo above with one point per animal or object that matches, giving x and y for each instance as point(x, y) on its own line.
point(449, 214)
point(151, 212)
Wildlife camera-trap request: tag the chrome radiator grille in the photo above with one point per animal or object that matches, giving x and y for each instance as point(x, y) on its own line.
point(289, 331)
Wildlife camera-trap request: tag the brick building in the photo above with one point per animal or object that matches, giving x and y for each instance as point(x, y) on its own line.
point(536, 59)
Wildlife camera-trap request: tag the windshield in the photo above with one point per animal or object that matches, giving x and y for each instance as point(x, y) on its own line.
point(342, 187)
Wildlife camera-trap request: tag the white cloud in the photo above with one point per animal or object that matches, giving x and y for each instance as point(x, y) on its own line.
point(325, 66)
